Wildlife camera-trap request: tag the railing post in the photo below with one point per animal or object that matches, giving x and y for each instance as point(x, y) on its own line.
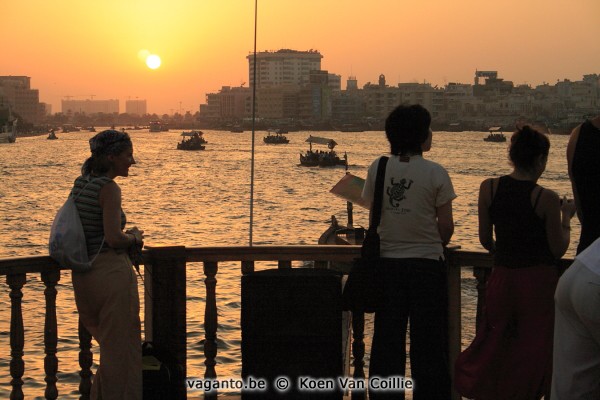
point(454, 313)
point(17, 334)
point(167, 267)
point(50, 279)
point(358, 352)
point(210, 324)
point(247, 267)
point(85, 362)
point(482, 275)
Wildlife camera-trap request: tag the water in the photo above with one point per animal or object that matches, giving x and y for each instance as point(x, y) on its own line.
point(202, 199)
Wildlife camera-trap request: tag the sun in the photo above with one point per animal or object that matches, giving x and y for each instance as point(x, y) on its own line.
point(153, 61)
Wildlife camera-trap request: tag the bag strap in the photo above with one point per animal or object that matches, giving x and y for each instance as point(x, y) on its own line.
point(378, 196)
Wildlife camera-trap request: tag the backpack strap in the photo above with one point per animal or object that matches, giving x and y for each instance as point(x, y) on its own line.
point(378, 195)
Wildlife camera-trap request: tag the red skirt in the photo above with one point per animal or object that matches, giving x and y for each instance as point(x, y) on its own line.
point(511, 355)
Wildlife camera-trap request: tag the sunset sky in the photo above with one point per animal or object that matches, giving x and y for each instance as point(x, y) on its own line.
point(85, 48)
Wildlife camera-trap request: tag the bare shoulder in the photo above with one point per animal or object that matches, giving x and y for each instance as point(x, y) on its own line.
point(549, 198)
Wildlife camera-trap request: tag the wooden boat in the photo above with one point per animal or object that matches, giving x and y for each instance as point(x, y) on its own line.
point(495, 135)
point(322, 158)
point(275, 137)
point(155, 126)
point(8, 126)
point(192, 140)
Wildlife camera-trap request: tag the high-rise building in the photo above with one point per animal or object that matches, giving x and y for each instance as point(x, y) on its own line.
point(88, 107)
point(136, 107)
point(16, 90)
point(283, 67)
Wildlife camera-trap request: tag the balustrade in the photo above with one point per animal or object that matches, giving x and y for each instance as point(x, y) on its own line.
point(165, 306)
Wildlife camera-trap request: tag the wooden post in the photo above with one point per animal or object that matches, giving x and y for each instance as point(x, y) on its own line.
point(454, 315)
point(85, 362)
point(167, 267)
point(358, 352)
point(17, 334)
point(210, 324)
point(50, 280)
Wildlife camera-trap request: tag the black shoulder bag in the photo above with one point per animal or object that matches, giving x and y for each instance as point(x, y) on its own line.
point(362, 292)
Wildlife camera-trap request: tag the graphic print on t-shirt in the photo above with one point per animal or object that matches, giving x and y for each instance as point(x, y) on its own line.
point(396, 192)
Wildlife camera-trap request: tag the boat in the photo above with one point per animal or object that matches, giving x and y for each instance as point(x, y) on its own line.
point(495, 135)
point(322, 158)
point(237, 129)
point(8, 125)
point(52, 135)
point(275, 136)
point(155, 126)
point(66, 128)
point(192, 140)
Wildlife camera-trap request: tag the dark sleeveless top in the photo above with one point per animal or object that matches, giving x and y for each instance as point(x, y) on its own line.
point(586, 177)
point(521, 239)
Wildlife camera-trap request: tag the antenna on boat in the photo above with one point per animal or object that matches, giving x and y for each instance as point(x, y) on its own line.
point(253, 121)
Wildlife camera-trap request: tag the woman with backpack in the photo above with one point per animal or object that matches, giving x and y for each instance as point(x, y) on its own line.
point(107, 295)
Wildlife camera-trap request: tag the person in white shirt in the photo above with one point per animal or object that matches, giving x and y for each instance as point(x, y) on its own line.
point(416, 224)
point(576, 360)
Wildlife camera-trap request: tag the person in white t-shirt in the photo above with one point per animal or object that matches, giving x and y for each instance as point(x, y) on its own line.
point(416, 224)
point(576, 358)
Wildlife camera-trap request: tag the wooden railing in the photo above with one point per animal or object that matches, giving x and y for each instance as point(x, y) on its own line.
point(165, 311)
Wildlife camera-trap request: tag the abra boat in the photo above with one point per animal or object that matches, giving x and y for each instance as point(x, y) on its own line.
point(322, 158)
point(8, 125)
point(495, 135)
point(52, 135)
point(275, 137)
point(192, 140)
point(155, 126)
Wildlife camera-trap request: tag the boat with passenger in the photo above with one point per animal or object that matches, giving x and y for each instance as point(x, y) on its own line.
point(192, 140)
point(495, 135)
point(275, 136)
point(52, 135)
point(322, 158)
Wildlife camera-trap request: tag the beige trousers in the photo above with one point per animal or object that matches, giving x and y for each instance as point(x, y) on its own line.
point(109, 307)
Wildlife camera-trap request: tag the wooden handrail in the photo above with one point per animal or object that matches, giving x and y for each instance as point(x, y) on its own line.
point(165, 311)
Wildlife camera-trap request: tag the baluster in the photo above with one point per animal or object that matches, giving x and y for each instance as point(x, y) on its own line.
point(17, 334)
point(358, 352)
point(210, 323)
point(85, 362)
point(50, 279)
point(482, 275)
point(284, 264)
point(247, 267)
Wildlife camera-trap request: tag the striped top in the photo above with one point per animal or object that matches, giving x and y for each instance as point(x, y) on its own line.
point(90, 212)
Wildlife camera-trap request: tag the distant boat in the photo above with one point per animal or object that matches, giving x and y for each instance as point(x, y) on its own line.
point(237, 129)
point(275, 137)
point(52, 135)
point(322, 158)
point(351, 128)
point(66, 128)
point(495, 135)
point(192, 140)
point(8, 125)
point(155, 126)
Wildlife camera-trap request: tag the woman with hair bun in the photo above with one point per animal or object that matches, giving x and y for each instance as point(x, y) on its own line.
point(511, 355)
point(107, 296)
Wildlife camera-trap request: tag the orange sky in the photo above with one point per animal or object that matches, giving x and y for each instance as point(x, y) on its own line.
point(82, 48)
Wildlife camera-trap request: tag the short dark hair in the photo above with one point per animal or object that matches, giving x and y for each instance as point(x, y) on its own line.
point(526, 144)
point(406, 128)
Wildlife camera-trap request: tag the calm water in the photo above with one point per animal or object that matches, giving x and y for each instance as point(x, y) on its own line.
point(202, 199)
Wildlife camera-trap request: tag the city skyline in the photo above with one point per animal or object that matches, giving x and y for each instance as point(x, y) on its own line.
point(85, 50)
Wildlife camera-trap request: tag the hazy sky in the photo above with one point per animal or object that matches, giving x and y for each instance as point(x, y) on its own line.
point(82, 48)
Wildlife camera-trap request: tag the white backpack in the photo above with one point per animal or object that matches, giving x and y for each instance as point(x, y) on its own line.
point(67, 243)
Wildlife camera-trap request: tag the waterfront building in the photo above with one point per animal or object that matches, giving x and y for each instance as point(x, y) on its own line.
point(136, 107)
point(70, 107)
point(24, 101)
point(283, 66)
